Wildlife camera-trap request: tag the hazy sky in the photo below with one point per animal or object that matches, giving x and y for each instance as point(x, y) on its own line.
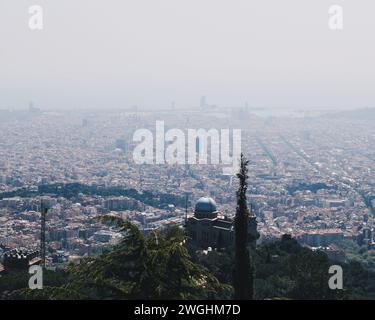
point(119, 53)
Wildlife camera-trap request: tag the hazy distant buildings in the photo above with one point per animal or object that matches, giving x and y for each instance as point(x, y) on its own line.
point(321, 238)
point(121, 144)
point(203, 103)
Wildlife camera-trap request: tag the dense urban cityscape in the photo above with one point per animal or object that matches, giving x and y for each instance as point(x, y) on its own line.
point(311, 175)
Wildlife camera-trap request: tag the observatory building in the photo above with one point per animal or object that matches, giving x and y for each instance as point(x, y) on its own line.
point(207, 228)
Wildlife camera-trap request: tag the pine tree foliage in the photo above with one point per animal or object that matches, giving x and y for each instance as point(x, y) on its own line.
point(157, 266)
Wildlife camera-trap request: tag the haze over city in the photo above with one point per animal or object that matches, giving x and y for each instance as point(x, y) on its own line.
point(116, 54)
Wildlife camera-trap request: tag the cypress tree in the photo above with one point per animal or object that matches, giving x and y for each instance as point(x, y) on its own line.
point(242, 277)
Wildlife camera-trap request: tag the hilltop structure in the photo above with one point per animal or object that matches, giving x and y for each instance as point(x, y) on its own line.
point(208, 228)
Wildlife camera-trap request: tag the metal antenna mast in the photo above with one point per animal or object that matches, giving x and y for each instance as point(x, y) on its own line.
point(186, 206)
point(43, 211)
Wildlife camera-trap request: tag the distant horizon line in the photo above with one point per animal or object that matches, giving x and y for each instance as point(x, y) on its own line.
point(138, 108)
